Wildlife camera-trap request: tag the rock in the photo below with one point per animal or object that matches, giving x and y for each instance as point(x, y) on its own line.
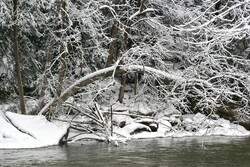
point(164, 126)
point(121, 124)
point(175, 120)
point(141, 109)
point(135, 128)
point(214, 116)
point(230, 113)
point(245, 124)
point(199, 118)
point(151, 123)
point(121, 120)
point(153, 127)
point(188, 127)
point(168, 112)
point(187, 121)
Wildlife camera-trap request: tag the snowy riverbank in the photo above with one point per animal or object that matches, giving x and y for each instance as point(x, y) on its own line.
point(26, 131)
point(191, 125)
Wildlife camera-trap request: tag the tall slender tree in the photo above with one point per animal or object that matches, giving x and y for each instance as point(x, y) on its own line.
point(16, 57)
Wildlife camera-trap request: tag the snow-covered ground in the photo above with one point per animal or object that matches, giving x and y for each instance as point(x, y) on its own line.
point(26, 131)
point(192, 125)
point(189, 125)
point(29, 131)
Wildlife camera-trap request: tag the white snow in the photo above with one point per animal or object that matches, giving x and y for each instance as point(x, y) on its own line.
point(26, 131)
point(204, 126)
point(172, 76)
point(10, 137)
point(89, 76)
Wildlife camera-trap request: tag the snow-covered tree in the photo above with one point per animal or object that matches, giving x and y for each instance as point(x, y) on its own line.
point(217, 39)
point(193, 54)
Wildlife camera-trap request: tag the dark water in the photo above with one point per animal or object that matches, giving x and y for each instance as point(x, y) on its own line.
point(200, 152)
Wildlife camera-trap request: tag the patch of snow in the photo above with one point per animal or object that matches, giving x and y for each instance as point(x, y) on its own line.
point(29, 131)
point(10, 137)
point(199, 118)
point(39, 132)
point(164, 127)
point(39, 129)
point(143, 109)
point(122, 118)
point(119, 107)
point(223, 123)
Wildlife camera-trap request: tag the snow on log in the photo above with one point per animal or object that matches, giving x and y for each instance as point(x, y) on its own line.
point(161, 74)
point(106, 72)
point(77, 85)
point(134, 128)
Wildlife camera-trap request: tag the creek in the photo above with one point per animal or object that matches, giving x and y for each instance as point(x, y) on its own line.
point(162, 152)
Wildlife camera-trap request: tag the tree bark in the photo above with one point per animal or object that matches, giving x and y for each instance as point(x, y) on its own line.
point(63, 64)
point(17, 59)
point(112, 48)
point(45, 82)
point(122, 87)
point(114, 35)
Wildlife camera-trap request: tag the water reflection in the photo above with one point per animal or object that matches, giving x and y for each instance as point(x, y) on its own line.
point(203, 151)
point(32, 157)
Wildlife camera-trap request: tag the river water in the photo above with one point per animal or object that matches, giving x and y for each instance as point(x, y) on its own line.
point(165, 152)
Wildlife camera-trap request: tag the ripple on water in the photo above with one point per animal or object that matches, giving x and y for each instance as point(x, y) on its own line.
point(201, 151)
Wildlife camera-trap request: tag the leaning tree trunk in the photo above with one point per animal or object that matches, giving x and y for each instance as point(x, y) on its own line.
point(106, 72)
point(17, 59)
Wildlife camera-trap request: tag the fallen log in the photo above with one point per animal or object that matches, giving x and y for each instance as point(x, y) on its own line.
point(104, 73)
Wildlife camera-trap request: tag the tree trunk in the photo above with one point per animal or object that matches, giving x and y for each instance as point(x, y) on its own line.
point(63, 64)
point(17, 59)
point(122, 87)
point(112, 48)
point(45, 83)
point(114, 35)
point(124, 48)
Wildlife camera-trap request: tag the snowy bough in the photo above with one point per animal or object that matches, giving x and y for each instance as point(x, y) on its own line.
point(218, 39)
point(106, 72)
point(186, 96)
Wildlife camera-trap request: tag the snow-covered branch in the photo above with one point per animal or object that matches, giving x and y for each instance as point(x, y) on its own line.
point(90, 78)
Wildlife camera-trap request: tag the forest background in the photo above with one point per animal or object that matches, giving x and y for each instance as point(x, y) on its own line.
point(191, 54)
